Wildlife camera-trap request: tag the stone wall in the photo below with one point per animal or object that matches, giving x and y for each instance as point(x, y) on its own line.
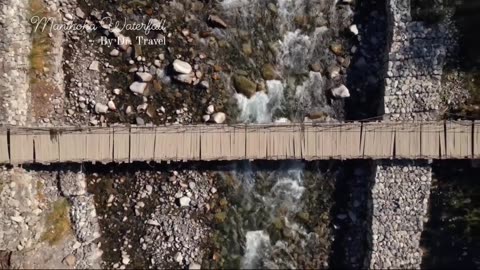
point(415, 61)
point(400, 194)
point(15, 46)
point(401, 190)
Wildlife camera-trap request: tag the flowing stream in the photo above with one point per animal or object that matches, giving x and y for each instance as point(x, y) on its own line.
point(268, 221)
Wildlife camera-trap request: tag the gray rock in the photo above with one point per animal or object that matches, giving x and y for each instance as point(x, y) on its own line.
point(125, 259)
point(182, 67)
point(68, 16)
point(184, 201)
point(101, 108)
point(353, 29)
point(18, 219)
point(185, 78)
point(111, 105)
point(217, 21)
point(210, 109)
point(179, 257)
point(144, 76)
point(244, 86)
point(219, 117)
point(140, 121)
point(138, 87)
point(204, 84)
point(341, 92)
point(153, 222)
point(70, 260)
point(194, 266)
point(79, 12)
point(94, 66)
point(115, 52)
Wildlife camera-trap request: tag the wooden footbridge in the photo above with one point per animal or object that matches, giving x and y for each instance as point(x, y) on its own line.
point(369, 140)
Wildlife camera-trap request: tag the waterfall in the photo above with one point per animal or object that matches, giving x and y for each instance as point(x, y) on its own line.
point(257, 243)
point(261, 107)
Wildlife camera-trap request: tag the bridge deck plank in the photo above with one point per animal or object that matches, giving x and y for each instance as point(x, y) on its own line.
point(476, 139)
point(100, 145)
point(459, 139)
point(166, 143)
point(21, 148)
point(256, 143)
point(189, 144)
point(432, 140)
point(73, 146)
point(349, 145)
point(237, 141)
point(121, 144)
point(379, 140)
point(207, 140)
point(309, 145)
point(142, 144)
point(47, 148)
point(407, 140)
point(4, 158)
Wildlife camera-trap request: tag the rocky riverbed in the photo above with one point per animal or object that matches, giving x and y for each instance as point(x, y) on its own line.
point(214, 62)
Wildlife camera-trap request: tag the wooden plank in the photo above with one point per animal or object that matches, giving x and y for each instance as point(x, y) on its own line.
point(278, 142)
point(237, 142)
point(188, 143)
point(121, 144)
point(100, 145)
point(206, 141)
point(47, 148)
point(407, 140)
point(72, 146)
point(21, 147)
point(166, 143)
point(476, 139)
point(432, 140)
point(350, 141)
point(378, 140)
point(297, 140)
point(326, 142)
point(256, 143)
point(459, 139)
point(309, 142)
point(224, 142)
point(4, 158)
point(142, 144)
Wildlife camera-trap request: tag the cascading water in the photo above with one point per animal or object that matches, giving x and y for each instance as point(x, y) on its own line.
point(263, 229)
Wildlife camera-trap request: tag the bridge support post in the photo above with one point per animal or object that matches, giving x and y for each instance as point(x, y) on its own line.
point(398, 207)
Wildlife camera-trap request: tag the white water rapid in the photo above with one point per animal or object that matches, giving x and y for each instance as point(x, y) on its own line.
point(298, 92)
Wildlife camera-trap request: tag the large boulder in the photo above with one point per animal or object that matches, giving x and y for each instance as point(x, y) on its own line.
point(269, 72)
point(244, 86)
